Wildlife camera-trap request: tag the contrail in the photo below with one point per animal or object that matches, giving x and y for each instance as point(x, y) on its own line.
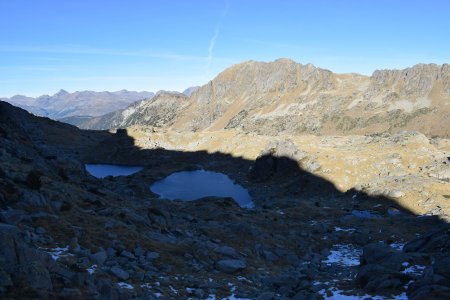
point(212, 41)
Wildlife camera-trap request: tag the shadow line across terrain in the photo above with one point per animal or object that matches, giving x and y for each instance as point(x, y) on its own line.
point(289, 244)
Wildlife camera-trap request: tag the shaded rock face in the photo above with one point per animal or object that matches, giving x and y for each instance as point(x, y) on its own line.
point(287, 97)
point(22, 263)
point(279, 158)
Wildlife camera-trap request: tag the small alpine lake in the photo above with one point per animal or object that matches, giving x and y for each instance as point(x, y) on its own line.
point(104, 170)
point(193, 185)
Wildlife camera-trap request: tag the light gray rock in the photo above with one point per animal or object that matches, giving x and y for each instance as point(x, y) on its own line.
point(395, 194)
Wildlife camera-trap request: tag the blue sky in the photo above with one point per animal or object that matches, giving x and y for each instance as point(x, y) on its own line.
point(48, 45)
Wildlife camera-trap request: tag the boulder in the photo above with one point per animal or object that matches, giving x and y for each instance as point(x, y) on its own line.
point(436, 241)
point(13, 216)
point(231, 265)
point(441, 267)
point(435, 292)
point(376, 278)
point(120, 273)
point(382, 254)
point(227, 251)
point(151, 255)
point(99, 257)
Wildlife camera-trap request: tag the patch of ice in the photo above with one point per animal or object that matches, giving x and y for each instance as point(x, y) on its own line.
point(414, 270)
point(344, 255)
point(242, 278)
point(214, 297)
point(397, 246)
point(233, 296)
point(124, 285)
point(173, 290)
point(339, 295)
point(146, 286)
point(344, 229)
point(58, 252)
point(92, 269)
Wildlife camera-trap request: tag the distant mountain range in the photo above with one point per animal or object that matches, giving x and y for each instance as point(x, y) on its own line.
point(85, 103)
point(287, 97)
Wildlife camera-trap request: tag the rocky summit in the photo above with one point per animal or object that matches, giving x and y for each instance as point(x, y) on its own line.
point(349, 176)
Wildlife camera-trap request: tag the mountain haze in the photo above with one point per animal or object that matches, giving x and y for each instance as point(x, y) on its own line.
point(158, 111)
point(85, 103)
point(285, 96)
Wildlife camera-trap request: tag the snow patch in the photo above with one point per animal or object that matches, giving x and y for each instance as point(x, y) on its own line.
point(344, 229)
point(58, 252)
point(92, 269)
point(397, 246)
point(414, 269)
point(124, 285)
point(344, 255)
point(339, 295)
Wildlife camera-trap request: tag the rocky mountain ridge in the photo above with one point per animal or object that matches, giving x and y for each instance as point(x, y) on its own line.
point(286, 97)
point(157, 111)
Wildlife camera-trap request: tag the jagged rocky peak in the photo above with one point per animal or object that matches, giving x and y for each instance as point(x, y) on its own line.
point(253, 77)
point(419, 78)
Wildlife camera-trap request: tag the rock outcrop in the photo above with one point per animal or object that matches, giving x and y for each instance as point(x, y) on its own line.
point(159, 111)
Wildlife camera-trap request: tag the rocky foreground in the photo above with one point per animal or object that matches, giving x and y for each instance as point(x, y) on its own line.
point(355, 215)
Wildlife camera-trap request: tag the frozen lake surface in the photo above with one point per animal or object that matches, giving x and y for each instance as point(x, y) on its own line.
point(192, 185)
point(103, 170)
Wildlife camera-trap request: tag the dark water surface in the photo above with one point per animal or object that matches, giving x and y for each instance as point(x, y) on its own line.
point(103, 170)
point(192, 185)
